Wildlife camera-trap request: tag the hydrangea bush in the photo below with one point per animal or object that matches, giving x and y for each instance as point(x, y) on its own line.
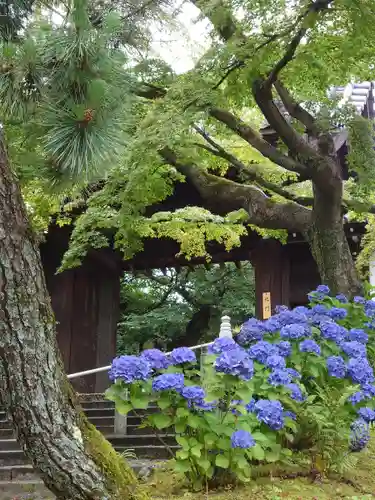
point(300, 382)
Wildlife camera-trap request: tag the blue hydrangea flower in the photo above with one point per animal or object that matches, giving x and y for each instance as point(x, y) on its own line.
point(168, 381)
point(182, 355)
point(324, 289)
point(333, 331)
point(302, 310)
point(368, 390)
point(337, 313)
point(360, 371)
point(242, 439)
point(156, 358)
point(292, 318)
point(285, 348)
point(367, 414)
point(311, 346)
point(319, 319)
point(295, 331)
point(354, 349)
point(359, 435)
point(202, 405)
point(356, 398)
point(358, 335)
point(293, 373)
point(296, 392)
point(129, 369)
point(279, 377)
point(336, 366)
point(276, 362)
point(342, 298)
point(359, 300)
point(235, 362)
point(251, 330)
point(370, 308)
point(251, 405)
point(261, 350)
point(290, 414)
point(281, 308)
point(221, 344)
point(194, 393)
point(320, 309)
point(270, 412)
point(272, 324)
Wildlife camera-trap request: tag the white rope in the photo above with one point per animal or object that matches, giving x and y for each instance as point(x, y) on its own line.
point(225, 331)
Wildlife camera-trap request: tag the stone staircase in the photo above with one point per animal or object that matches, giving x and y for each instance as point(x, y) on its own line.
point(147, 447)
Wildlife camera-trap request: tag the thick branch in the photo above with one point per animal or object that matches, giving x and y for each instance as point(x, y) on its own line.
point(254, 139)
point(246, 171)
point(222, 196)
point(296, 110)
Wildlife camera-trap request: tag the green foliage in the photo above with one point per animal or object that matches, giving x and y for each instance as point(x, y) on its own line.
point(182, 307)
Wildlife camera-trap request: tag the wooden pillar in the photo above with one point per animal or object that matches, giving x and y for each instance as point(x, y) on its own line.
point(271, 263)
point(86, 303)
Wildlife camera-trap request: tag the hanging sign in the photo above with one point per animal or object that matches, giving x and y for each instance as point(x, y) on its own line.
point(266, 304)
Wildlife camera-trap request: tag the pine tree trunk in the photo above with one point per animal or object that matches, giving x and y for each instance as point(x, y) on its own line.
point(329, 245)
point(72, 457)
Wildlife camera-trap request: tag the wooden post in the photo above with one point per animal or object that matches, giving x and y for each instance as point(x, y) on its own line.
point(271, 263)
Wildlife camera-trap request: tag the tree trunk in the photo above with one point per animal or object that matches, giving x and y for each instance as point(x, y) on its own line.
point(329, 245)
point(72, 457)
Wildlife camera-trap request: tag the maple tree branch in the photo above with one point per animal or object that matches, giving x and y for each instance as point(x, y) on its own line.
point(222, 196)
point(313, 9)
point(296, 110)
point(255, 140)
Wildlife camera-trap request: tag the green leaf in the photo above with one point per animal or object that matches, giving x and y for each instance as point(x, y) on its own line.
point(140, 403)
point(210, 438)
point(194, 421)
point(182, 454)
point(180, 427)
point(257, 452)
point(222, 461)
point(161, 421)
point(196, 451)
point(204, 463)
point(272, 455)
point(182, 412)
point(182, 466)
point(183, 442)
point(244, 394)
point(259, 437)
point(163, 403)
point(123, 408)
point(224, 444)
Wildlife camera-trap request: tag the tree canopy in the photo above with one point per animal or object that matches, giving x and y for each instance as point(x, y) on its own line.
point(105, 114)
point(184, 307)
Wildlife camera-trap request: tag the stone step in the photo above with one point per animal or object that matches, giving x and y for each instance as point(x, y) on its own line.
point(13, 457)
point(9, 444)
point(150, 452)
point(99, 412)
point(132, 429)
point(97, 404)
point(24, 474)
point(141, 440)
point(100, 422)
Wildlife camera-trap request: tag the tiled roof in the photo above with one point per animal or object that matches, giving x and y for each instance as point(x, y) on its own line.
point(354, 93)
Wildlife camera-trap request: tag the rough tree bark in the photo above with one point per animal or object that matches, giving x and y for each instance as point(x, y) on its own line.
point(72, 457)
